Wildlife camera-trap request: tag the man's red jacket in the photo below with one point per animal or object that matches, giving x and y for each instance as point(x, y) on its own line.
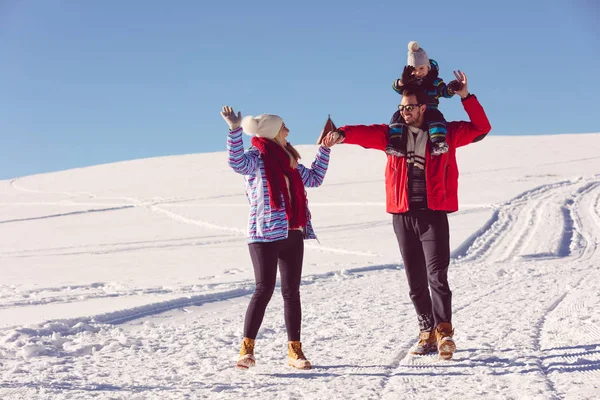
point(441, 171)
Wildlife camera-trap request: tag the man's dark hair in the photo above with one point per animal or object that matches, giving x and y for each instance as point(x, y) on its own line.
point(419, 94)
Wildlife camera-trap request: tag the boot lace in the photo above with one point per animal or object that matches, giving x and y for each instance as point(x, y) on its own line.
point(247, 348)
point(296, 351)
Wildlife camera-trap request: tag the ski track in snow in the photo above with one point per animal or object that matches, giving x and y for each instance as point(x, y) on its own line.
point(154, 207)
point(536, 366)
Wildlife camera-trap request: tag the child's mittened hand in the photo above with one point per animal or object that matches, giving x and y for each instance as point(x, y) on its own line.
point(455, 85)
point(407, 74)
point(461, 77)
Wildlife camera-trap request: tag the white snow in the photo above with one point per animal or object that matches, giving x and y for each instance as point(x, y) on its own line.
point(131, 280)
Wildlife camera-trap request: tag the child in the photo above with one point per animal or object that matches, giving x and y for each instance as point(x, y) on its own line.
point(421, 73)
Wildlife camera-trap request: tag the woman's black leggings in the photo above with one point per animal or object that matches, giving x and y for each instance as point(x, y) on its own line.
point(288, 253)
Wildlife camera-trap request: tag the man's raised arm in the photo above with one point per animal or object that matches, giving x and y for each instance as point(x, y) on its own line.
point(465, 132)
point(367, 136)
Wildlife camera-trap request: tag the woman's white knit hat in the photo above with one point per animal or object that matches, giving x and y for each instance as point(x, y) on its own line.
point(263, 125)
point(416, 55)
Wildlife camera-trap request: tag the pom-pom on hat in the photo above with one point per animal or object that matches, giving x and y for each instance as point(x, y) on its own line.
point(416, 55)
point(263, 125)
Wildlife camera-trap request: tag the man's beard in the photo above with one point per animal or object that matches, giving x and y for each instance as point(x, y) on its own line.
point(415, 121)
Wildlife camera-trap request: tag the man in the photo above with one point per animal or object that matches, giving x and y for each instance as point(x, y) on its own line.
point(420, 190)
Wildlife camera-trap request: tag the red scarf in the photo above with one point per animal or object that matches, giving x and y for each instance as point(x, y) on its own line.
point(277, 167)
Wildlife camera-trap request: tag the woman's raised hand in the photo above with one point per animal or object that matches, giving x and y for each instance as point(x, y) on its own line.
point(234, 121)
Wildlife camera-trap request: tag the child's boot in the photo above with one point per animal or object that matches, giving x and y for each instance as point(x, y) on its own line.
point(296, 357)
point(394, 147)
point(396, 131)
point(439, 147)
point(246, 358)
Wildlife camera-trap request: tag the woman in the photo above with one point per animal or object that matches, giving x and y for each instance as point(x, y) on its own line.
point(279, 221)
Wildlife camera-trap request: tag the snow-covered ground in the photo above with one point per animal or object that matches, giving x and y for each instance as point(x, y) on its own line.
point(131, 280)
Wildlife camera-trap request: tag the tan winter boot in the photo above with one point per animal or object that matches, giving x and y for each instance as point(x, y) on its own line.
point(296, 357)
point(445, 343)
point(427, 343)
point(246, 359)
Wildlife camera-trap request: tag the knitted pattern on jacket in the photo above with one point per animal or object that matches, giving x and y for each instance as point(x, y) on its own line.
point(265, 223)
point(277, 169)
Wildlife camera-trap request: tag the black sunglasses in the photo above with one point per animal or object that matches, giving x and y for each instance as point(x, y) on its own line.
point(408, 107)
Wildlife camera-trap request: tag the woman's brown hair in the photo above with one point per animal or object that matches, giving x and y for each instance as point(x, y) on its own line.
point(292, 151)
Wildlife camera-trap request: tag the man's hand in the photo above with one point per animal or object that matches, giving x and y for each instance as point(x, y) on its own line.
point(332, 138)
point(234, 121)
point(407, 75)
point(461, 78)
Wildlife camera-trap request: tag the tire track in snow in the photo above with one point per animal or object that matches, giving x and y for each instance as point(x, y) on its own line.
point(14, 185)
point(105, 248)
point(579, 236)
point(510, 227)
point(121, 249)
point(526, 226)
point(409, 368)
point(566, 315)
point(556, 361)
point(153, 207)
point(537, 349)
point(485, 239)
point(521, 219)
point(219, 292)
point(190, 221)
point(241, 232)
point(501, 221)
point(78, 293)
point(68, 214)
point(480, 360)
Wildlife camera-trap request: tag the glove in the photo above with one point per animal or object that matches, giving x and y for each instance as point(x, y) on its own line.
point(407, 76)
point(454, 86)
point(234, 121)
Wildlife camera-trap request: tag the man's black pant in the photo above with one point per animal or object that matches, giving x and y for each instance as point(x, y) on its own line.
point(288, 253)
point(424, 241)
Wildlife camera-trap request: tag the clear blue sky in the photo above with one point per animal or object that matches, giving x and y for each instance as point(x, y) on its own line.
point(90, 82)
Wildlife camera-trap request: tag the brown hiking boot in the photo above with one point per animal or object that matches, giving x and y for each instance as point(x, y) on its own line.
point(445, 343)
point(296, 357)
point(246, 359)
point(427, 343)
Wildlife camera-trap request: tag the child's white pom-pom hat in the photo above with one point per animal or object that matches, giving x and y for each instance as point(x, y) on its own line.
point(416, 55)
point(263, 125)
